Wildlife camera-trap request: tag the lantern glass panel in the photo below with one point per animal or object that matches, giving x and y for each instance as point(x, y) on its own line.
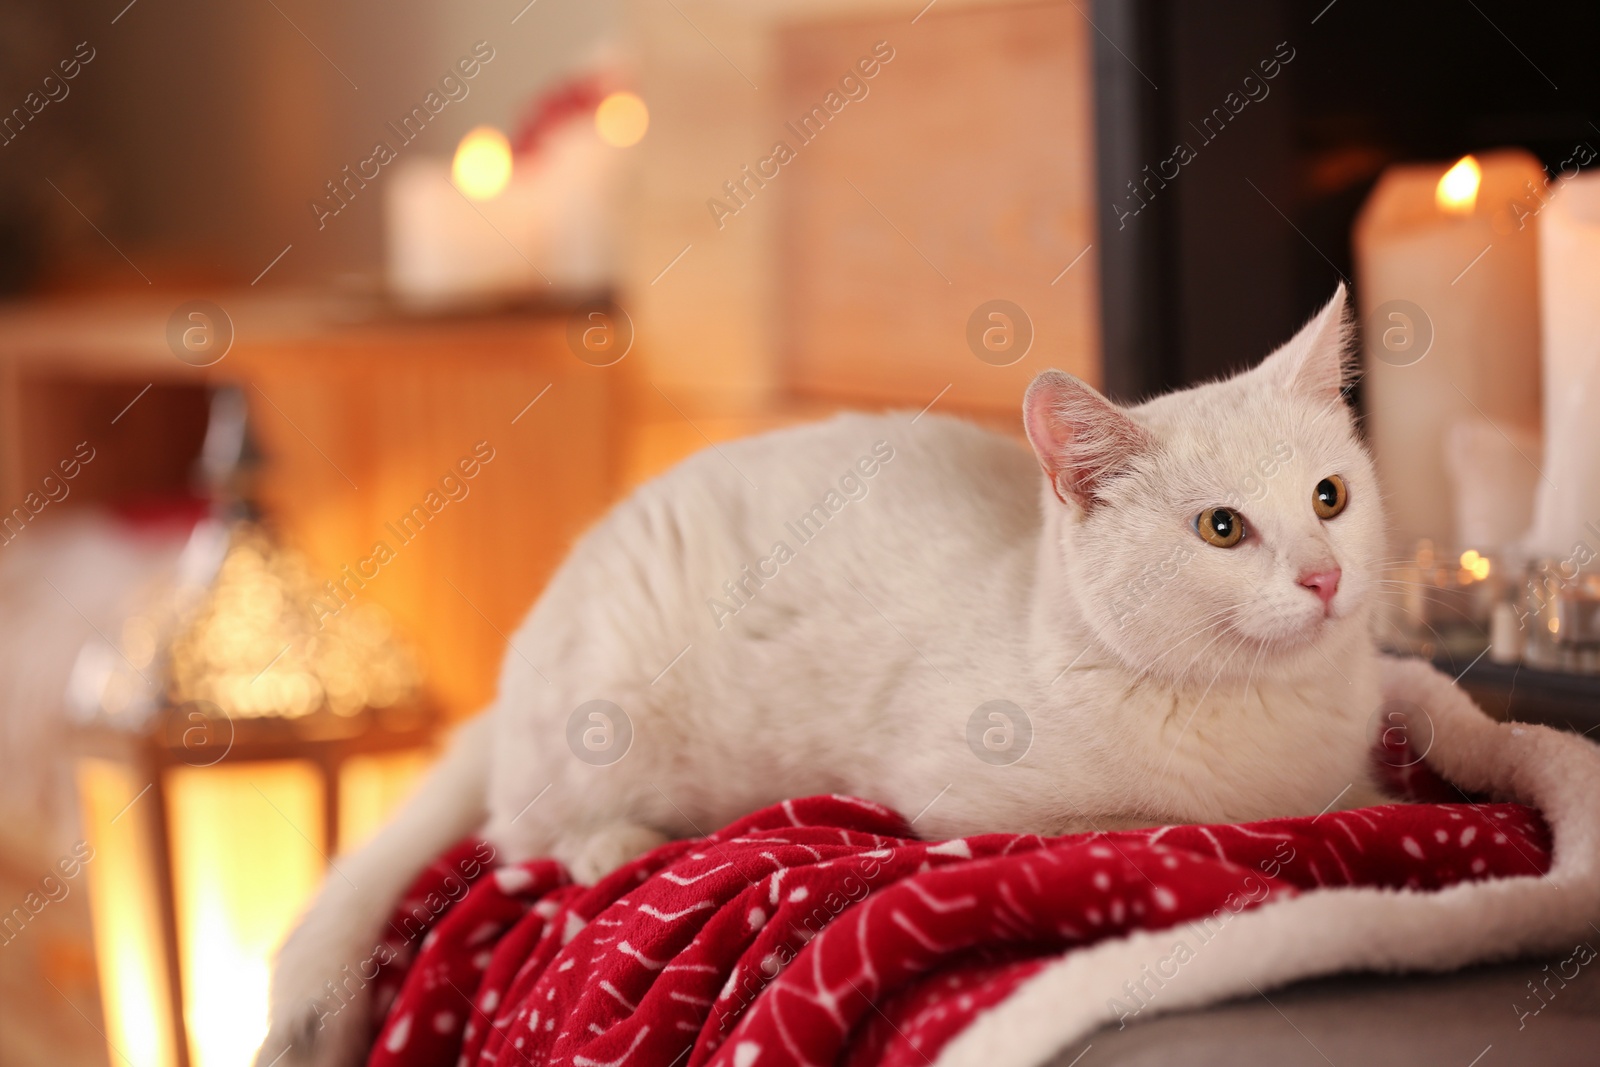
point(370, 789)
point(125, 907)
point(247, 854)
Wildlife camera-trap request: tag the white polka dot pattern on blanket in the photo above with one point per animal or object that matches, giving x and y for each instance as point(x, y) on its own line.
point(821, 927)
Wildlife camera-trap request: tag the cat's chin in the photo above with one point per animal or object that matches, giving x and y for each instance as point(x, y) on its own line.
point(1301, 637)
point(1305, 626)
point(1278, 643)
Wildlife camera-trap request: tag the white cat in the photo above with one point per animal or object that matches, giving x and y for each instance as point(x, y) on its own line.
point(1176, 617)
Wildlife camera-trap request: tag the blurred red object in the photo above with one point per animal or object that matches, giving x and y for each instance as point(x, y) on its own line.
point(571, 99)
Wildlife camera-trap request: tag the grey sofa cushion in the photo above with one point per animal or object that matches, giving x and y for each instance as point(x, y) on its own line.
point(1472, 1018)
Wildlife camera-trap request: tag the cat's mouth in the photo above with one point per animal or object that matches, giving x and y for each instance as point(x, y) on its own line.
point(1288, 632)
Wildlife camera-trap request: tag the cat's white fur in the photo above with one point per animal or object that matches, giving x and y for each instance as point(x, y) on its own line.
point(1164, 679)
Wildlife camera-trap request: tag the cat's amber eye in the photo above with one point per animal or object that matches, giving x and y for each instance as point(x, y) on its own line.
point(1331, 496)
point(1222, 527)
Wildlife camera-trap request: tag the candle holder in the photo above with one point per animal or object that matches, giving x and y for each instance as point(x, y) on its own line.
point(1560, 611)
point(1446, 602)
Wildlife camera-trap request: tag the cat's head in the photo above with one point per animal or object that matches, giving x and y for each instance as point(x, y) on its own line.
point(1213, 529)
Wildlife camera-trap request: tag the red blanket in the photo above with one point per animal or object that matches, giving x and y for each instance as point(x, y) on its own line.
point(822, 931)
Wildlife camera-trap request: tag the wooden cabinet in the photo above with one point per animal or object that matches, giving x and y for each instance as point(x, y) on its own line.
point(365, 418)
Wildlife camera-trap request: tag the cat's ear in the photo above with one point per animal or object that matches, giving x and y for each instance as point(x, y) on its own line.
point(1081, 438)
point(1316, 362)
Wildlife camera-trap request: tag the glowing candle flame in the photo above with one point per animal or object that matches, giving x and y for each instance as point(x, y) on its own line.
point(1457, 192)
point(621, 120)
point(1475, 564)
point(482, 167)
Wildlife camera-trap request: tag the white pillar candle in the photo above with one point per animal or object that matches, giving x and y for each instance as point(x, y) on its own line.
point(1567, 508)
point(1448, 292)
point(547, 232)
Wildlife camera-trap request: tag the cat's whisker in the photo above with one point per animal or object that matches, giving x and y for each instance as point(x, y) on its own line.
point(1217, 617)
point(1464, 616)
point(1435, 599)
point(1146, 669)
point(1436, 635)
point(1196, 657)
point(1250, 675)
point(1404, 563)
point(1410, 584)
point(1195, 710)
point(1400, 583)
point(1210, 615)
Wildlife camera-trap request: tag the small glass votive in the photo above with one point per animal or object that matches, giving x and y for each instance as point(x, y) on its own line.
point(1445, 603)
point(1561, 609)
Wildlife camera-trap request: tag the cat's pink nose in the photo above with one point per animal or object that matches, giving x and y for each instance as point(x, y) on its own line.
point(1323, 583)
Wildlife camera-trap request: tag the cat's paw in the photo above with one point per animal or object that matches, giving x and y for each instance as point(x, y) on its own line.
point(592, 856)
point(304, 1033)
point(320, 1004)
point(304, 1038)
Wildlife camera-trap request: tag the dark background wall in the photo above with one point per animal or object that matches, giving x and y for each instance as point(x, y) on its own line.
point(1234, 254)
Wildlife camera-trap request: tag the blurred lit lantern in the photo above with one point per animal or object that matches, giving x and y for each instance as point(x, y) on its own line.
point(229, 744)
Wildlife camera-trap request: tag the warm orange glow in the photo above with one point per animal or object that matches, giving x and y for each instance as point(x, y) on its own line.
point(1457, 192)
point(371, 787)
point(482, 167)
point(248, 848)
point(247, 844)
point(126, 914)
point(1475, 564)
point(621, 119)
